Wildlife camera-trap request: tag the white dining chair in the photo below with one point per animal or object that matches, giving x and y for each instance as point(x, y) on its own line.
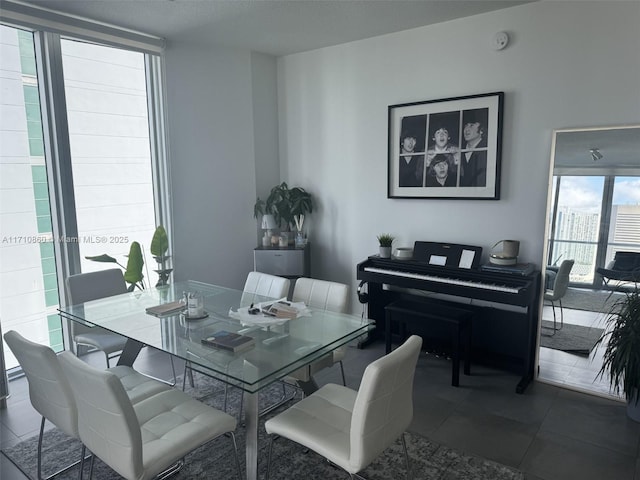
point(351, 428)
point(323, 295)
point(257, 285)
point(265, 285)
point(140, 441)
point(84, 287)
point(50, 392)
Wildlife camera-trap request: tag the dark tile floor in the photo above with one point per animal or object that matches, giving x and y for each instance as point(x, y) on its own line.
point(549, 433)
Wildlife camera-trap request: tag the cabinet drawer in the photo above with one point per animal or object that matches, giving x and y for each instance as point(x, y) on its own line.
point(284, 263)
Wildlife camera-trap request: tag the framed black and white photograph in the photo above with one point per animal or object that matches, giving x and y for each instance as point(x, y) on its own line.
point(449, 148)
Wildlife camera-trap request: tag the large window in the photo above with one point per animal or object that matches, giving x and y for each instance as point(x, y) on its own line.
point(28, 280)
point(594, 217)
point(89, 182)
point(106, 104)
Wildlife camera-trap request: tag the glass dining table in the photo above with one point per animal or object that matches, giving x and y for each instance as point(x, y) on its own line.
point(280, 346)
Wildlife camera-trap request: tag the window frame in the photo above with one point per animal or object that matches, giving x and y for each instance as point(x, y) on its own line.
point(48, 29)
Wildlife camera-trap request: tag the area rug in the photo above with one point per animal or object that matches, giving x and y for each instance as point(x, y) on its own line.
point(429, 460)
point(571, 338)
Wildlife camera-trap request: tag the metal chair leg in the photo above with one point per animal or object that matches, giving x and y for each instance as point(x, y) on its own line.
point(561, 314)
point(406, 456)
point(235, 451)
point(93, 457)
point(62, 470)
point(344, 380)
point(40, 448)
point(173, 370)
point(271, 438)
point(84, 449)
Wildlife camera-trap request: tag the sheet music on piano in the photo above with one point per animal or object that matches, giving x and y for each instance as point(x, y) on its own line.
point(447, 254)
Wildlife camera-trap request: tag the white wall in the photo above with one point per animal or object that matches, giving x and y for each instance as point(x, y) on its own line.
point(567, 65)
point(212, 94)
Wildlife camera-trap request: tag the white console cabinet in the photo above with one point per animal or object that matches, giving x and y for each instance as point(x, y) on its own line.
point(287, 262)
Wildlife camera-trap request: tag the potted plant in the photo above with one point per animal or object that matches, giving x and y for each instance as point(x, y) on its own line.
point(621, 360)
point(159, 247)
point(288, 206)
point(386, 241)
point(133, 271)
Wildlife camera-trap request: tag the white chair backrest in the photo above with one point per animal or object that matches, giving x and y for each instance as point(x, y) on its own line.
point(49, 389)
point(84, 287)
point(561, 283)
point(321, 294)
point(265, 285)
point(384, 406)
point(107, 422)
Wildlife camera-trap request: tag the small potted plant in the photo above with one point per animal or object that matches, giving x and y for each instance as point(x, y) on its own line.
point(386, 241)
point(621, 360)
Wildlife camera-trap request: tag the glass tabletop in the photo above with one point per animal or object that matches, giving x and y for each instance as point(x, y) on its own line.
point(277, 349)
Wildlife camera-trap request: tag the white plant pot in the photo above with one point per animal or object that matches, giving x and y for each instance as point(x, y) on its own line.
point(385, 252)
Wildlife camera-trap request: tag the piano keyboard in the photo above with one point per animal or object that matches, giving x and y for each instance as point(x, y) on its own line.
point(451, 281)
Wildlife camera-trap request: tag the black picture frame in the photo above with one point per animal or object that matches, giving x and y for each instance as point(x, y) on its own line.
point(448, 149)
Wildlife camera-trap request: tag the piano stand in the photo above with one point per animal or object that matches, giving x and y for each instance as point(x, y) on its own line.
point(407, 311)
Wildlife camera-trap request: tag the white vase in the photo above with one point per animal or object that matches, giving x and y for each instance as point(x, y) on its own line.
point(385, 252)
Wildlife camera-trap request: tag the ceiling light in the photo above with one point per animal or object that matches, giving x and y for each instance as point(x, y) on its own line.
point(595, 154)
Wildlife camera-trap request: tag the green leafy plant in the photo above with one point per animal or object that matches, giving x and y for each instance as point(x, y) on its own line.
point(621, 358)
point(133, 271)
point(287, 205)
point(159, 244)
point(159, 247)
point(386, 239)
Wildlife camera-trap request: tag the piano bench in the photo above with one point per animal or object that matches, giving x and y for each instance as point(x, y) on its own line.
point(414, 311)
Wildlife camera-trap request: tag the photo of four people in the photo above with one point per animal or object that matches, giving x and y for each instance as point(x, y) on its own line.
point(447, 149)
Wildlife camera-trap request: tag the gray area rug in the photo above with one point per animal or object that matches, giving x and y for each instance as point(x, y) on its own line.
point(429, 460)
point(590, 300)
point(571, 338)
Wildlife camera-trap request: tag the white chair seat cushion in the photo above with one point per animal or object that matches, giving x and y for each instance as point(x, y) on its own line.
point(137, 385)
point(173, 424)
point(102, 340)
point(321, 422)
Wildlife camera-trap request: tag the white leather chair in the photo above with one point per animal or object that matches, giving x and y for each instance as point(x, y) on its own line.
point(265, 285)
point(559, 290)
point(139, 441)
point(323, 295)
point(84, 287)
point(50, 392)
point(351, 428)
point(257, 284)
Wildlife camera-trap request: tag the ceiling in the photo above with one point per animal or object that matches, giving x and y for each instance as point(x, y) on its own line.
point(619, 147)
point(276, 27)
